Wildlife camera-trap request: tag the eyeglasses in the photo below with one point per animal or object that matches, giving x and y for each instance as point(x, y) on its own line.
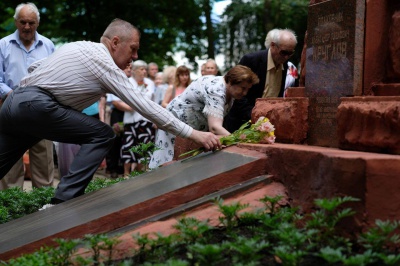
point(284, 52)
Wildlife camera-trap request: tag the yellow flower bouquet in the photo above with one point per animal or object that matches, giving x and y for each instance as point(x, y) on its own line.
point(260, 132)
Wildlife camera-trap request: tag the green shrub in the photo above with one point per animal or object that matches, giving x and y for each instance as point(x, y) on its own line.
point(16, 203)
point(270, 236)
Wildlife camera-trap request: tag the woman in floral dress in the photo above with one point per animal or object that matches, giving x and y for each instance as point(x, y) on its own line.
point(203, 106)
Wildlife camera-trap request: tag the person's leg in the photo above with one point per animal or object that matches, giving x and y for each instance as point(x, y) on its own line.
point(127, 143)
point(14, 177)
point(12, 148)
point(42, 117)
point(41, 160)
point(66, 155)
point(127, 169)
point(13, 144)
point(113, 158)
point(93, 150)
point(144, 133)
point(95, 138)
point(165, 141)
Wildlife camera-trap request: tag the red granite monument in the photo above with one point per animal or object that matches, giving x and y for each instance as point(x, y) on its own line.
point(351, 77)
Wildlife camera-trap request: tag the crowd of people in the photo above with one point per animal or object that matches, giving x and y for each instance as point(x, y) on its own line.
point(95, 101)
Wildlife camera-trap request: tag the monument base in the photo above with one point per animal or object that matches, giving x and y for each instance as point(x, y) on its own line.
point(296, 92)
point(288, 115)
point(311, 172)
point(369, 124)
point(386, 89)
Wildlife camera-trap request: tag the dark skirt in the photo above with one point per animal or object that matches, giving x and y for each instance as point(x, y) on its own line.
point(135, 134)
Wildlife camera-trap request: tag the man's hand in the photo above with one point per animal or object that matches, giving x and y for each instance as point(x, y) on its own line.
point(209, 140)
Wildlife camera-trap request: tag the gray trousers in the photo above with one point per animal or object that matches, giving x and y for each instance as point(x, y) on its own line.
point(31, 114)
point(41, 164)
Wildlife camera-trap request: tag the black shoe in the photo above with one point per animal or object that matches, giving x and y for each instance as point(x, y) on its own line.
point(114, 175)
point(55, 201)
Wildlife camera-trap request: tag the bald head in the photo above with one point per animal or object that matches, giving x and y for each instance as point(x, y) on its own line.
point(287, 36)
point(122, 40)
point(280, 35)
point(281, 44)
point(121, 28)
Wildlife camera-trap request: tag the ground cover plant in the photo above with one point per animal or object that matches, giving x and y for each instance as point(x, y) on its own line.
point(16, 203)
point(271, 235)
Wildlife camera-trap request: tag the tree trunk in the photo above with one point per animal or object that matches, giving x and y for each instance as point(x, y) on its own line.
point(209, 29)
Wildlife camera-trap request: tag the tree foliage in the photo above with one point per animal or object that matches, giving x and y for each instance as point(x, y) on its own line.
point(166, 26)
point(246, 23)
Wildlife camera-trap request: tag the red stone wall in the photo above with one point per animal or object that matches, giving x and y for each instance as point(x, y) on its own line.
point(378, 16)
point(393, 68)
point(288, 115)
point(369, 124)
point(311, 172)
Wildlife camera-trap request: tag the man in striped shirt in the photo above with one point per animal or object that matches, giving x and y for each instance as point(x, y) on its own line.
point(50, 99)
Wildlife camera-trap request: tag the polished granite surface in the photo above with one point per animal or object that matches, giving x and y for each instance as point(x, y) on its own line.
point(129, 201)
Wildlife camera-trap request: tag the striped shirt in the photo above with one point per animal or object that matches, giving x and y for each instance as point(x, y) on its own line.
point(79, 73)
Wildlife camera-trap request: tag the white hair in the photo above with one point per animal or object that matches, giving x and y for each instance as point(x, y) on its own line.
point(139, 63)
point(275, 36)
point(153, 64)
point(31, 6)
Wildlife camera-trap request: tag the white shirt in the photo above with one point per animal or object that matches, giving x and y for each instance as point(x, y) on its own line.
point(79, 73)
point(147, 90)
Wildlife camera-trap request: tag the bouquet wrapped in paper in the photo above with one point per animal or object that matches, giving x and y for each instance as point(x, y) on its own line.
point(260, 132)
point(118, 128)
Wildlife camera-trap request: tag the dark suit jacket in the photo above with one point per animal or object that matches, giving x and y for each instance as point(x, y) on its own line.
point(241, 109)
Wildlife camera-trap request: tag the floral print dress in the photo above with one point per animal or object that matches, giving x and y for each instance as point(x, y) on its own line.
point(204, 96)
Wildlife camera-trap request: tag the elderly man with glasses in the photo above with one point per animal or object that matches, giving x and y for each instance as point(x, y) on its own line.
point(271, 66)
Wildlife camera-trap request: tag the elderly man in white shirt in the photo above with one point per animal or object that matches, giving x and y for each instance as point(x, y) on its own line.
point(50, 99)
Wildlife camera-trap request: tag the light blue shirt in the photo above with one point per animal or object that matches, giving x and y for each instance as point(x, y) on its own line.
point(92, 110)
point(15, 59)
